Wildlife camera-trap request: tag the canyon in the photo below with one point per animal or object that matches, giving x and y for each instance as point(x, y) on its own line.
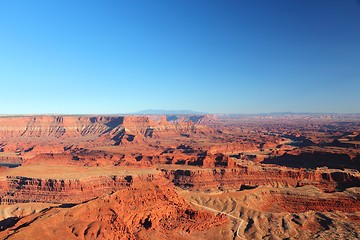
point(180, 176)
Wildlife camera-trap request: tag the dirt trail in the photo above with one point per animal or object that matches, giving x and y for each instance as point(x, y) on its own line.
point(227, 214)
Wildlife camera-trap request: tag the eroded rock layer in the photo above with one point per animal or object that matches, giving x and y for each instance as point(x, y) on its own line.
point(142, 211)
point(328, 181)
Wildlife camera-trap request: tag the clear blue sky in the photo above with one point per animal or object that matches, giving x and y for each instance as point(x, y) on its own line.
point(211, 56)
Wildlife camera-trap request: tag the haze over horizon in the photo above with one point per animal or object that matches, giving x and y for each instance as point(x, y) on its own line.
point(174, 112)
point(109, 57)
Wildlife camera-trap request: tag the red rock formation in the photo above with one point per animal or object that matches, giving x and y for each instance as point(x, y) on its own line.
point(17, 189)
point(143, 211)
point(255, 176)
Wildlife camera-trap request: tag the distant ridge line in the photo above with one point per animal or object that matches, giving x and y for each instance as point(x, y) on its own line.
point(168, 112)
point(181, 112)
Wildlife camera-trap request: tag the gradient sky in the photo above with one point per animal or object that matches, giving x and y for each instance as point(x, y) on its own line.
point(213, 56)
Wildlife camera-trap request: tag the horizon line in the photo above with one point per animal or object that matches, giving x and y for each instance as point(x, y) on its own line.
point(175, 113)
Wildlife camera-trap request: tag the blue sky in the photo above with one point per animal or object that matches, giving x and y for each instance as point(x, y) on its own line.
point(212, 56)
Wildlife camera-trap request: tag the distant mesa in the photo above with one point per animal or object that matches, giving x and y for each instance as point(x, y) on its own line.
point(167, 112)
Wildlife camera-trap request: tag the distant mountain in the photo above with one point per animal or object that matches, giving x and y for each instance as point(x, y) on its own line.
point(290, 114)
point(167, 112)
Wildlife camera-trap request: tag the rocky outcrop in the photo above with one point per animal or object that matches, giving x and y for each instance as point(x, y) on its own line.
point(142, 211)
point(17, 189)
point(253, 176)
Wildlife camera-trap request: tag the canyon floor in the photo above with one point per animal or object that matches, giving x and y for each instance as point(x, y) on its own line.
point(290, 176)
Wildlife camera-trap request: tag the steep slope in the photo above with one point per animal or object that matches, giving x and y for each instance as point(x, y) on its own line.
point(143, 211)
